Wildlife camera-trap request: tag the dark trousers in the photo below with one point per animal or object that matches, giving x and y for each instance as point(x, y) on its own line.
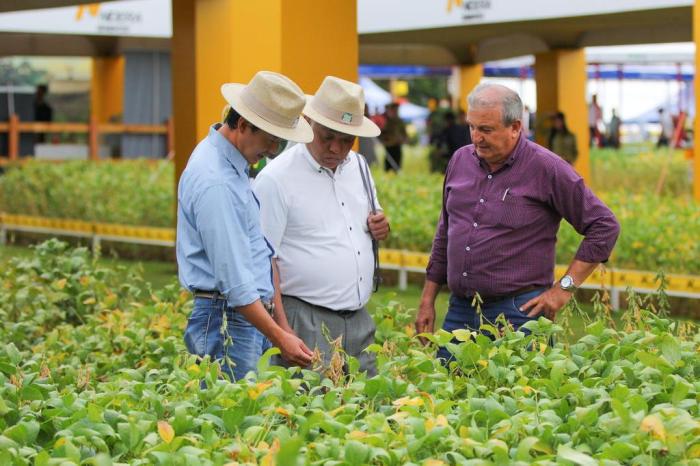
point(395, 153)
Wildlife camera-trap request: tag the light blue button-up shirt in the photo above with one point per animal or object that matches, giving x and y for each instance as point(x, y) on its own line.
point(220, 245)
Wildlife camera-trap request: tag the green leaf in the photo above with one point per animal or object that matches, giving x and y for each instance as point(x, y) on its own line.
point(356, 453)
point(671, 349)
point(289, 452)
point(567, 453)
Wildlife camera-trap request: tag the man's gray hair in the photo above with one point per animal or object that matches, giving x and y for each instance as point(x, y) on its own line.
point(506, 98)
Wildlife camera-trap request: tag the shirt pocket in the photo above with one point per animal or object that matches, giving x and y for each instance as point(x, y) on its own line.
point(513, 213)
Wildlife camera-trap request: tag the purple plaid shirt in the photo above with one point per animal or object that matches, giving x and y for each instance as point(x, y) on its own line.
point(497, 231)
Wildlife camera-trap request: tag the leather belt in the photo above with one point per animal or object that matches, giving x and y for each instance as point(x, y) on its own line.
point(497, 298)
point(215, 296)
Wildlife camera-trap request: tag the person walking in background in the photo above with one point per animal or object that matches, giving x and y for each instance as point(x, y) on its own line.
point(393, 136)
point(595, 117)
point(42, 110)
point(222, 256)
point(561, 140)
point(614, 130)
point(453, 136)
point(666, 121)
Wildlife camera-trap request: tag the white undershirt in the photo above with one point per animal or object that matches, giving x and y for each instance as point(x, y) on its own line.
point(317, 222)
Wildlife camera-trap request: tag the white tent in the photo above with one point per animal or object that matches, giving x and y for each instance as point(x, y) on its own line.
point(377, 98)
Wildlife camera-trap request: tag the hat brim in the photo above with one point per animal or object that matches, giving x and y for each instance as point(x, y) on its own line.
point(367, 129)
point(302, 132)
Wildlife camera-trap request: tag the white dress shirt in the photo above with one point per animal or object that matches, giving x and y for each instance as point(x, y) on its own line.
point(316, 220)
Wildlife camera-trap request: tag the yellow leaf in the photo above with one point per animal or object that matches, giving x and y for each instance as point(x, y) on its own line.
point(462, 334)
point(694, 451)
point(410, 330)
point(407, 401)
point(282, 412)
point(441, 421)
point(256, 391)
point(194, 369)
point(357, 435)
point(84, 280)
point(429, 425)
point(528, 389)
point(60, 284)
point(89, 301)
point(166, 431)
point(653, 425)
point(483, 362)
point(543, 347)
point(60, 442)
point(433, 462)
point(463, 431)
point(503, 428)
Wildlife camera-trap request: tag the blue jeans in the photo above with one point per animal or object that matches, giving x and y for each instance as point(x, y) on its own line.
point(204, 335)
point(462, 315)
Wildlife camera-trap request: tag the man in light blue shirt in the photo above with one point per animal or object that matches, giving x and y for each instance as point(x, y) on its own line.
point(223, 257)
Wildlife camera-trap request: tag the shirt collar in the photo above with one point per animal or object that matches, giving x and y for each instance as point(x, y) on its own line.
point(231, 153)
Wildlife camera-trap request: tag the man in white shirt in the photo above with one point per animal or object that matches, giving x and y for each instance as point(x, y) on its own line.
point(319, 211)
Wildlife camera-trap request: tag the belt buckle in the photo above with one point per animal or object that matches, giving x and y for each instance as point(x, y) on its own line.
point(269, 307)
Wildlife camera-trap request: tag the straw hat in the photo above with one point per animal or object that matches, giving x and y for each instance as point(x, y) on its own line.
point(340, 105)
point(273, 103)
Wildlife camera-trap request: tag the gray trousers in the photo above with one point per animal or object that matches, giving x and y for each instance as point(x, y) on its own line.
point(356, 327)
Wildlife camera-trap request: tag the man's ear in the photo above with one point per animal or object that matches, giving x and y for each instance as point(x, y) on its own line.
point(517, 126)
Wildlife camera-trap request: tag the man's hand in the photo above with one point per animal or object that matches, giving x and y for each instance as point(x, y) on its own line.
point(378, 226)
point(294, 350)
point(549, 303)
point(425, 320)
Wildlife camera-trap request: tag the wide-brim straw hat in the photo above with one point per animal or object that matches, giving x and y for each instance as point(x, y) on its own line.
point(273, 103)
point(340, 105)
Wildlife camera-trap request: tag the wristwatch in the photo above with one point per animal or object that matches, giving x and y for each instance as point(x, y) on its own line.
point(567, 283)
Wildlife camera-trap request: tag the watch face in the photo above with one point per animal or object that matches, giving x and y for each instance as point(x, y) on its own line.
point(566, 282)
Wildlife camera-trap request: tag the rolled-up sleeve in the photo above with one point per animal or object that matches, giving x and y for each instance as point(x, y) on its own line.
point(221, 219)
point(589, 216)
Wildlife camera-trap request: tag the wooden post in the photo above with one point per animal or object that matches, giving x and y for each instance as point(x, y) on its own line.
point(93, 139)
point(170, 137)
point(13, 137)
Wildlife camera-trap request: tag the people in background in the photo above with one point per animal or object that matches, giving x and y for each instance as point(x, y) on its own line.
point(561, 140)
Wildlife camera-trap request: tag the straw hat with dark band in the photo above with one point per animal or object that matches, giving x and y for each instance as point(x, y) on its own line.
point(340, 105)
point(273, 103)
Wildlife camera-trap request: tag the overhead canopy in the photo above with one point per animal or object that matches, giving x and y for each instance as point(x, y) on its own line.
point(467, 32)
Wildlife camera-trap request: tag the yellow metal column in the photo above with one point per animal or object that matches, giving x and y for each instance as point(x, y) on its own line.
point(560, 77)
point(107, 88)
point(217, 41)
point(696, 123)
point(469, 77)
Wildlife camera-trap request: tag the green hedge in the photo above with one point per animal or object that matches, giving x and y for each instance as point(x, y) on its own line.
point(658, 233)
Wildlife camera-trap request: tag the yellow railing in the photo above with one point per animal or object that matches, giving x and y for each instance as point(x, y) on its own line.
point(615, 280)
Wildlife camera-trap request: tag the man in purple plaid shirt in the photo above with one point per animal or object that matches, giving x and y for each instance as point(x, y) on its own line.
point(503, 199)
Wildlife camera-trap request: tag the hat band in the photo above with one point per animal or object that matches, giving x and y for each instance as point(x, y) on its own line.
point(339, 116)
point(265, 112)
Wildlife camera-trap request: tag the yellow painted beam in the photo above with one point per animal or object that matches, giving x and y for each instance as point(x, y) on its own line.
point(469, 77)
point(560, 77)
point(221, 41)
point(696, 123)
point(107, 88)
